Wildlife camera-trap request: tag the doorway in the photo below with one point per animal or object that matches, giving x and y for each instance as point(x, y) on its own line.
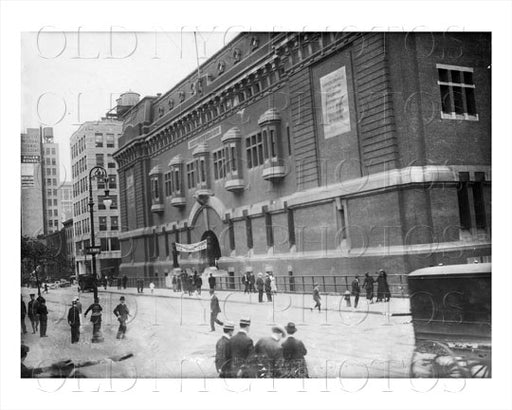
point(212, 251)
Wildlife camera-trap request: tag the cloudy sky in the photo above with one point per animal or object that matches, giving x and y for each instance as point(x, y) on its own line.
point(71, 77)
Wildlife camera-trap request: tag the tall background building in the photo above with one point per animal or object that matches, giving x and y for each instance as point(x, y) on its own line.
point(93, 144)
point(317, 153)
point(52, 184)
point(66, 200)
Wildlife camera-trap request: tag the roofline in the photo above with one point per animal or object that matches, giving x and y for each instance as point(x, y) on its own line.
point(467, 268)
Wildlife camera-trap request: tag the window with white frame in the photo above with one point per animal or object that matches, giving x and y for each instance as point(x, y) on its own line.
point(457, 89)
point(219, 164)
point(254, 150)
point(191, 172)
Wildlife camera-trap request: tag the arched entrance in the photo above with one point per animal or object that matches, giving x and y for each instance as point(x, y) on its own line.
point(212, 252)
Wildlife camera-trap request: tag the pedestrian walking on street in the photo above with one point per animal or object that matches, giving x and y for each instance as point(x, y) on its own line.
point(252, 281)
point(23, 314)
point(294, 365)
point(241, 348)
point(125, 281)
point(74, 322)
point(223, 351)
point(368, 286)
point(42, 312)
point(95, 310)
point(245, 282)
point(198, 283)
point(214, 311)
point(211, 282)
point(268, 287)
point(269, 354)
point(45, 287)
point(152, 287)
point(32, 313)
point(381, 286)
point(122, 312)
point(316, 297)
point(356, 290)
point(260, 284)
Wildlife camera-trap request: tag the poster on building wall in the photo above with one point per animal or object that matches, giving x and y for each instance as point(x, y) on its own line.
point(191, 247)
point(335, 109)
point(27, 175)
point(30, 148)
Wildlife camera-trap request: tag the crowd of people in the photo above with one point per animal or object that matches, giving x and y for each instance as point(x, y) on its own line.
point(280, 355)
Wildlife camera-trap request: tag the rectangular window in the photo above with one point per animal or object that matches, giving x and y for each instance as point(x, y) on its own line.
point(104, 244)
point(54, 162)
point(54, 180)
point(55, 202)
point(98, 138)
point(177, 185)
point(463, 200)
point(100, 160)
point(111, 165)
point(112, 181)
point(55, 212)
point(155, 189)
point(191, 175)
point(457, 90)
point(49, 202)
point(255, 150)
point(114, 202)
point(53, 151)
point(248, 230)
point(167, 183)
point(54, 192)
point(114, 244)
point(103, 223)
point(110, 140)
point(114, 223)
point(219, 164)
point(478, 199)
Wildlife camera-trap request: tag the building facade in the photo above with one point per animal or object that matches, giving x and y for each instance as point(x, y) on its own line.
point(66, 200)
point(313, 153)
point(93, 145)
point(32, 212)
point(52, 184)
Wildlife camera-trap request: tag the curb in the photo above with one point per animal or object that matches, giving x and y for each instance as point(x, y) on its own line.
point(368, 312)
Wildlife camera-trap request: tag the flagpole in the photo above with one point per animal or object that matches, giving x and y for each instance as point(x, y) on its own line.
point(197, 57)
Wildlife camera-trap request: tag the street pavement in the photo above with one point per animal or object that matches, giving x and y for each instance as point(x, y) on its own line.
point(169, 333)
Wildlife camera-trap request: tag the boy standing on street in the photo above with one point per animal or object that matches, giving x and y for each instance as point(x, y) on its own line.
point(121, 311)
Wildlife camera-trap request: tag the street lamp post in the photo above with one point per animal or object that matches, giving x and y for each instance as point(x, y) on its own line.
point(99, 173)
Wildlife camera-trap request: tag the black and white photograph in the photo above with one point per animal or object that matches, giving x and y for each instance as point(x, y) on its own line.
point(245, 206)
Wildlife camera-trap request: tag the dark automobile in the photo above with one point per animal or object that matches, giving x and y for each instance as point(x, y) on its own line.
point(86, 282)
point(451, 315)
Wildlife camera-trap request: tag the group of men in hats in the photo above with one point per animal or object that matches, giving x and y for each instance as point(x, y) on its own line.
point(237, 356)
point(37, 313)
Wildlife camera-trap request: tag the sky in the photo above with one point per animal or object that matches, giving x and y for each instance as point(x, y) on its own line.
point(68, 78)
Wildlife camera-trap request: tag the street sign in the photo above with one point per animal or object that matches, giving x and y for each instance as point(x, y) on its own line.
point(93, 250)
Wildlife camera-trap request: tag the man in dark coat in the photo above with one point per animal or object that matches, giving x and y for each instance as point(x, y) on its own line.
point(356, 290)
point(381, 286)
point(198, 283)
point(246, 283)
point(294, 365)
point(211, 282)
point(74, 322)
point(269, 354)
point(125, 281)
point(241, 348)
point(223, 351)
point(260, 284)
point(317, 298)
point(95, 309)
point(387, 293)
point(121, 311)
point(268, 287)
point(32, 313)
point(23, 314)
point(214, 311)
point(42, 312)
point(368, 286)
point(252, 281)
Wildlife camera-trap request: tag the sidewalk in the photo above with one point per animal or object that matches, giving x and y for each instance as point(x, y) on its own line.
point(395, 307)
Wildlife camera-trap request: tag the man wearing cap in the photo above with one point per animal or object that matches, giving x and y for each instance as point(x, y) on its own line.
point(121, 311)
point(293, 354)
point(241, 348)
point(95, 309)
point(32, 313)
point(223, 351)
point(74, 322)
point(269, 354)
point(214, 311)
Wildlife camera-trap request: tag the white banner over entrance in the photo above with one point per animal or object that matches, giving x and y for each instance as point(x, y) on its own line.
point(191, 247)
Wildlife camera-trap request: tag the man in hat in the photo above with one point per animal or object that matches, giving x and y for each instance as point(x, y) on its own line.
point(294, 365)
point(214, 311)
point(356, 290)
point(121, 311)
point(252, 281)
point(268, 287)
point(317, 298)
point(211, 282)
point(269, 354)
point(42, 312)
point(32, 313)
point(245, 280)
point(23, 314)
point(260, 285)
point(95, 310)
point(223, 351)
point(74, 322)
point(241, 348)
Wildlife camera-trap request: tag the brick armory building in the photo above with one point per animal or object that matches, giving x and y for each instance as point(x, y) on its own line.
point(319, 153)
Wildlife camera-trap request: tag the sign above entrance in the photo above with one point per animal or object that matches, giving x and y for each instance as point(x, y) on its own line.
point(191, 247)
point(208, 135)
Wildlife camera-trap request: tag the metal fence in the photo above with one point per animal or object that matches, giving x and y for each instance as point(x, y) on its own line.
point(333, 284)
